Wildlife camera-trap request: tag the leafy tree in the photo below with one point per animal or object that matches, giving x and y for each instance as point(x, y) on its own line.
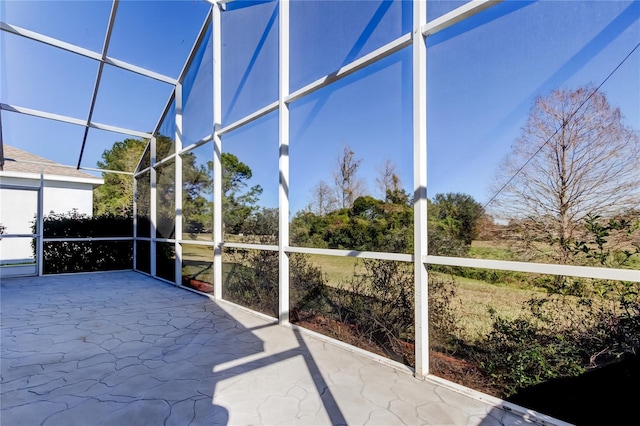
point(458, 214)
point(454, 222)
point(308, 229)
point(197, 187)
point(166, 200)
point(263, 222)
point(574, 157)
point(369, 225)
point(115, 196)
point(237, 206)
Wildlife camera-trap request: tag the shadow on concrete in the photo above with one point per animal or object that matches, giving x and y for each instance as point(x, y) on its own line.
point(253, 363)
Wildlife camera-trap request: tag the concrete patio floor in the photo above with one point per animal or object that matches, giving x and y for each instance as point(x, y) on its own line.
point(121, 348)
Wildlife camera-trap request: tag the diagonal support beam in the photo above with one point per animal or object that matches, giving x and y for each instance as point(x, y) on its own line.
point(463, 12)
point(31, 35)
point(96, 86)
point(72, 120)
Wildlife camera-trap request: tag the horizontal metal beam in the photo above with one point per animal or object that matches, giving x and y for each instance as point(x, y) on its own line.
point(13, 29)
point(250, 246)
point(86, 239)
point(72, 120)
point(378, 54)
point(41, 163)
point(32, 35)
point(43, 114)
point(121, 130)
point(139, 70)
point(537, 268)
point(249, 118)
point(141, 172)
point(399, 257)
point(468, 9)
point(117, 172)
point(169, 158)
point(2, 236)
point(195, 145)
point(197, 243)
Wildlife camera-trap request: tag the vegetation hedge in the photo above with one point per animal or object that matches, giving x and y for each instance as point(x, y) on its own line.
point(86, 256)
point(78, 225)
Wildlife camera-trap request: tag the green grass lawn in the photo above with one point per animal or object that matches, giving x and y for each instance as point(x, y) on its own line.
point(474, 296)
point(472, 304)
point(482, 251)
point(337, 270)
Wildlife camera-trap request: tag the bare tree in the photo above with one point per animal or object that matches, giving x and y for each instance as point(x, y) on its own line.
point(575, 156)
point(322, 199)
point(348, 186)
point(387, 180)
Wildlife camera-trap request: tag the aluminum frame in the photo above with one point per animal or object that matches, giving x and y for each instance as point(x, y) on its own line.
point(416, 39)
point(38, 236)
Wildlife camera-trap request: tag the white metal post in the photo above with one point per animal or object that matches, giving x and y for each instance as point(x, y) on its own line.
point(420, 188)
point(217, 151)
point(152, 209)
point(178, 185)
point(40, 225)
point(135, 222)
point(283, 124)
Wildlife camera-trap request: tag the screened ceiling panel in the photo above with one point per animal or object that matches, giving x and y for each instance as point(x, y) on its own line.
point(53, 140)
point(493, 84)
point(340, 33)
point(82, 23)
point(197, 94)
point(130, 100)
point(50, 58)
point(374, 124)
point(249, 58)
point(165, 136)
point(99, 141)
point(141, 36)
point(256, 144)
point(437, 8)
point(46, 79)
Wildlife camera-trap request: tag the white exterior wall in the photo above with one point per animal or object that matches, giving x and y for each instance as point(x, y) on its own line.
point(18, 208)
point(62, 197)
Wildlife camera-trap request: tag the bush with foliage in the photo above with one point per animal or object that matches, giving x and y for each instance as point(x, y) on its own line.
point(86, 256)
point(78, 225)
point(369, 225)
point(580, 325)
point(252, 279)
point(375, 305)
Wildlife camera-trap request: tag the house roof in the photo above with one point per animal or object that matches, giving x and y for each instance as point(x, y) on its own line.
point(19, 161)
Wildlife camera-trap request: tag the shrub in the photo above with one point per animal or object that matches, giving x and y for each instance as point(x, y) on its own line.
point(519, 353)
point(252, 280)
point(86, 256)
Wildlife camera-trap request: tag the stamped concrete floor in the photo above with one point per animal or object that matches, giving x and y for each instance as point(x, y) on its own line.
point(121, 348)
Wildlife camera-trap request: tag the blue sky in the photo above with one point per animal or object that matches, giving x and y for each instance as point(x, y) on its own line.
point(483, 76)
